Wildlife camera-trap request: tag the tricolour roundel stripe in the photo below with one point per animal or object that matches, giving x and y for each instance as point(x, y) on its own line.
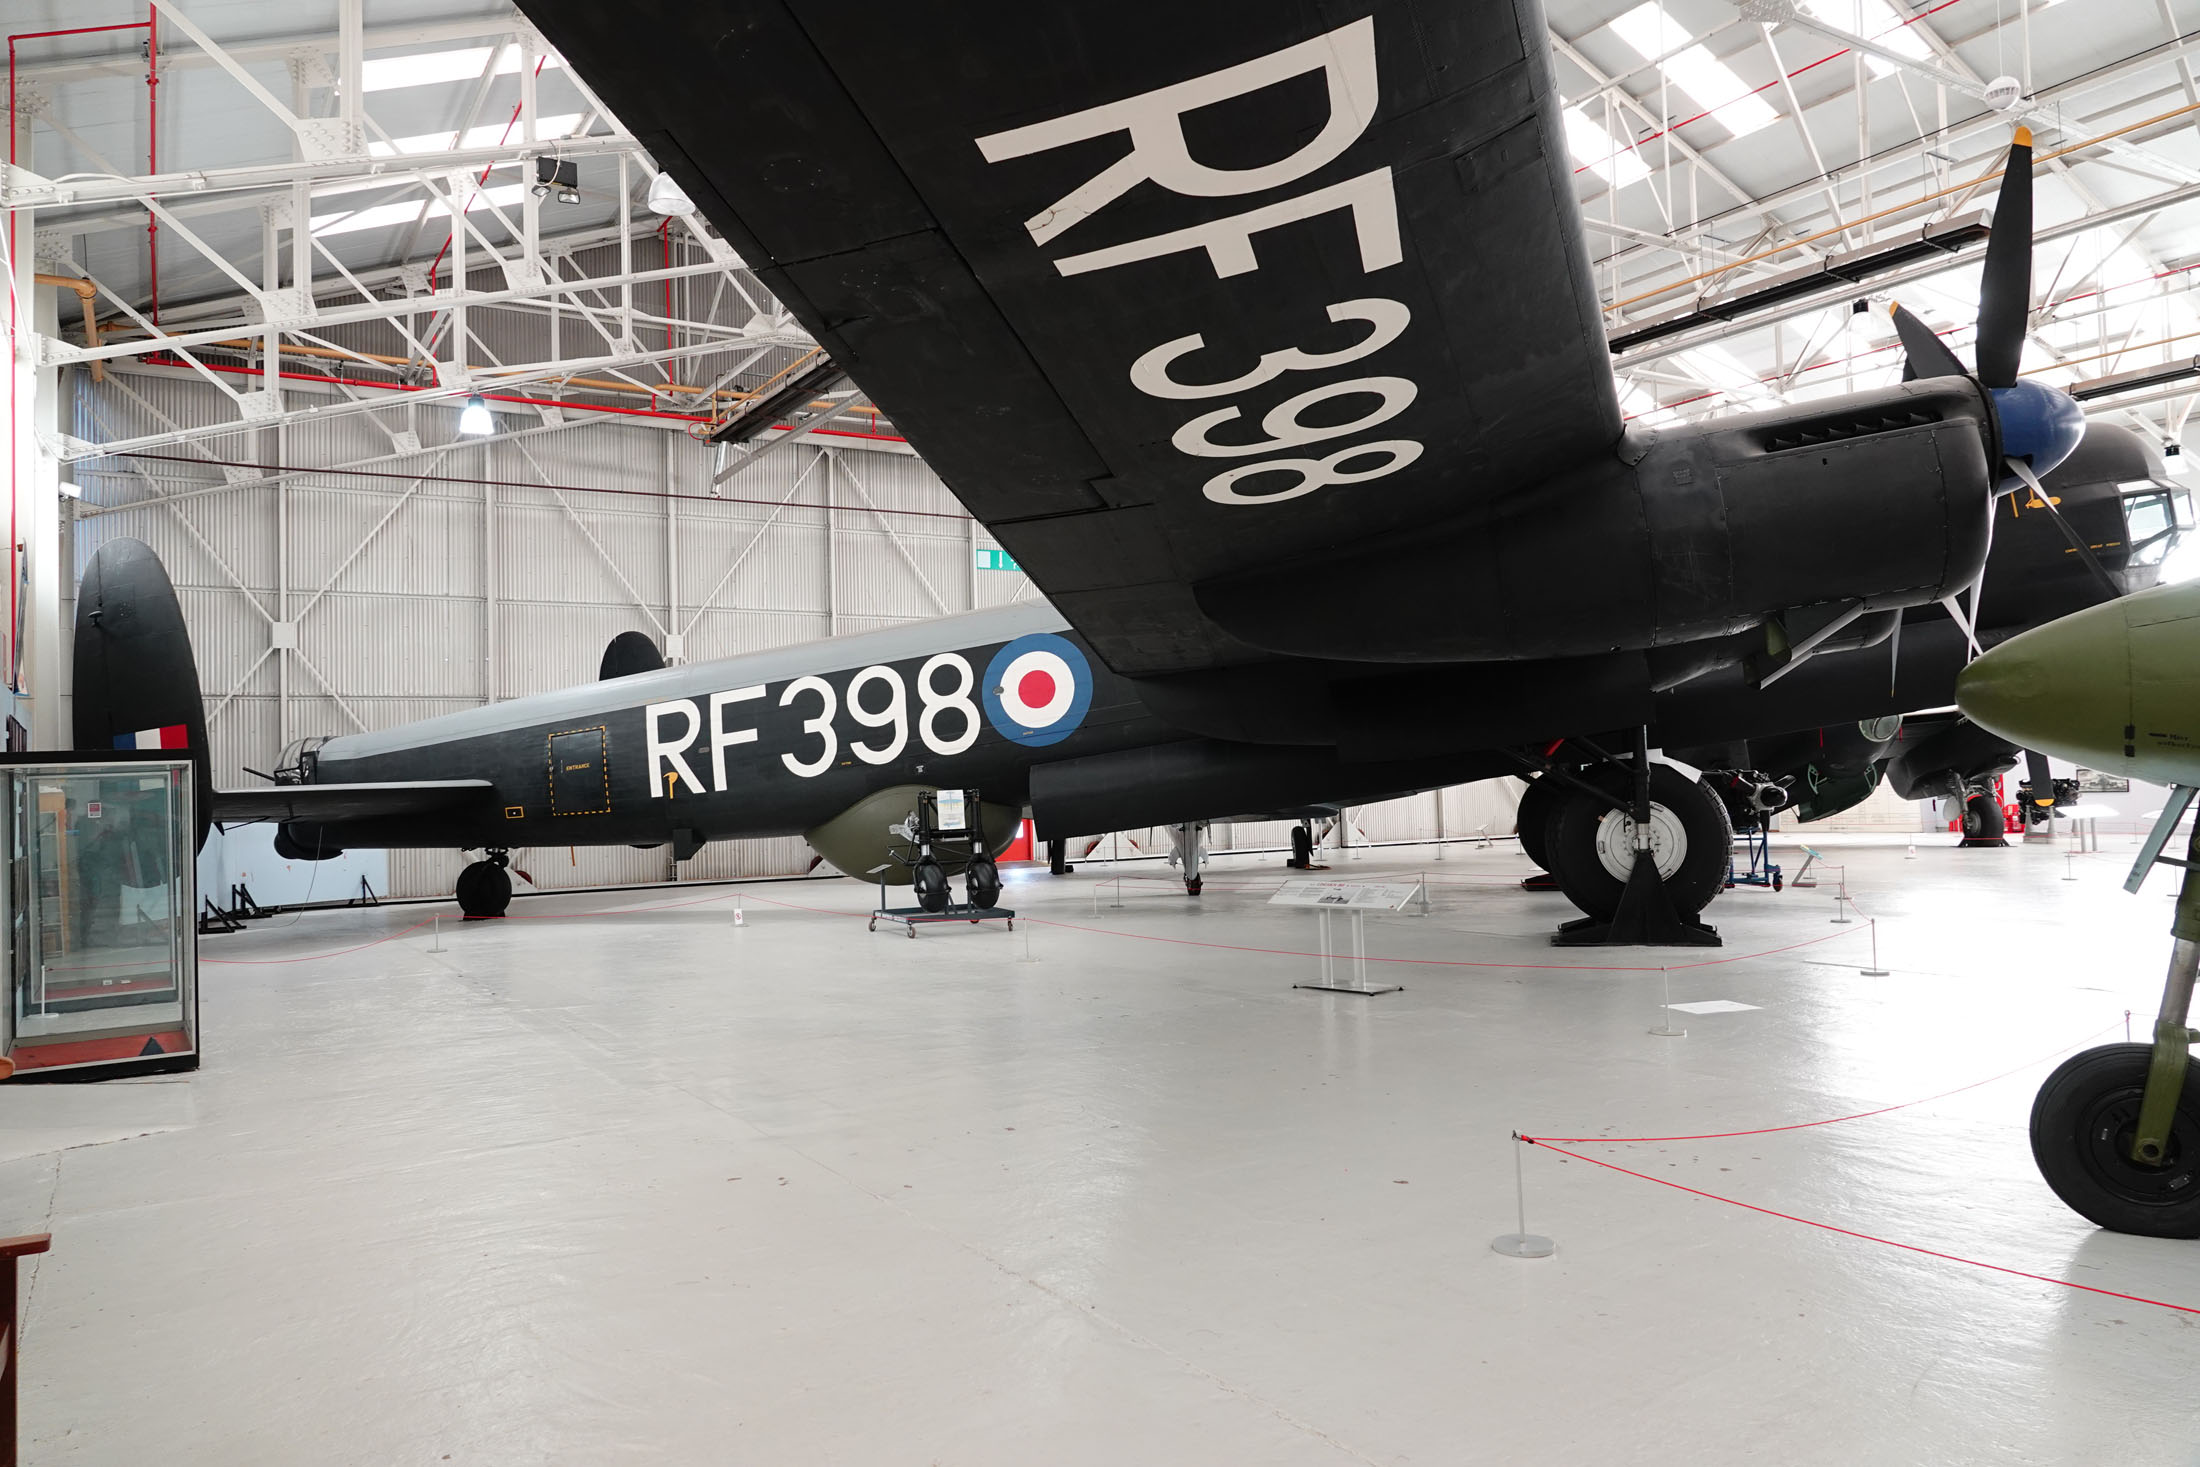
point(1037, 689)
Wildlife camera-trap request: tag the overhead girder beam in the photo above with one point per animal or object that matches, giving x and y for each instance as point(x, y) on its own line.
point(1959, 131)
point(1838, 292)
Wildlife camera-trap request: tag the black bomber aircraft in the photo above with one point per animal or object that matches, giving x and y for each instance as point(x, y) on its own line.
point(1295, 301)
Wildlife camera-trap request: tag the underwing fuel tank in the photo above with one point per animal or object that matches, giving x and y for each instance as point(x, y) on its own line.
point(1676, 536)
point(870, 838)
point(2115, 687)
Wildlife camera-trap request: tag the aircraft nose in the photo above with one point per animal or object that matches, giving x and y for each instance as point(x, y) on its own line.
point(2038, 424)
point(2063, 689)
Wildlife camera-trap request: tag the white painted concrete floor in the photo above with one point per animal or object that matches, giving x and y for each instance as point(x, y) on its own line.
point(646, 1187)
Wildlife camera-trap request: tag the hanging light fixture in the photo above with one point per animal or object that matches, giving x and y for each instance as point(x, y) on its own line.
point(667, 197)
point(474, 420)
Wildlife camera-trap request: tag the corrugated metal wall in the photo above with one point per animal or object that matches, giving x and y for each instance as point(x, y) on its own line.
point(413, 596)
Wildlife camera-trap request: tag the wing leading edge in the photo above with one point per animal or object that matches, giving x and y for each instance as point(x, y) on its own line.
point(1164, 292)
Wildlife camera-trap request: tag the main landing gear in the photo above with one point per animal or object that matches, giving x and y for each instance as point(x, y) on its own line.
point(1640, 848)
point(485, 886)
point(2116, 1129)
point(1983, 820)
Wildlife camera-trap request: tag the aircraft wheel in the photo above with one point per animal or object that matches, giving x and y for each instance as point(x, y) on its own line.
point(1543, 800)
point(484, 890)
point(2081, 1140)
point(1982, 818)
point(1192, 885)
point(983, 881)
point(1302, 848)
point(1592, 845)
point(931, 885)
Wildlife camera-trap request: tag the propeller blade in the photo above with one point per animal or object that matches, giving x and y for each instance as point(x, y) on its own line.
point(2041, 499)
point(2035, 769)
point(1924, 354)
point(2005, 286)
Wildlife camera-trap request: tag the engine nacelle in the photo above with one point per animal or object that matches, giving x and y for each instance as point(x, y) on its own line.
point(871, 838)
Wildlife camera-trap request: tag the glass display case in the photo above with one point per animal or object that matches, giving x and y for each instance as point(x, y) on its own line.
point(99, 909)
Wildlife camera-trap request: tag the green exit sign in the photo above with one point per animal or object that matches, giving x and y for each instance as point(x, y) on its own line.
point(996, 560)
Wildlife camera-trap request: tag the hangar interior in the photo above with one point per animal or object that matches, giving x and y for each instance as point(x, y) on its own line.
point(424, 382)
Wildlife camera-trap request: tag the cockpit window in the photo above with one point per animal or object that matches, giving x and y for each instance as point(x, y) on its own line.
point(2156, 513)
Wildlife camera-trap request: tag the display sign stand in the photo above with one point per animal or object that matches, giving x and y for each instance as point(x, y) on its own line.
point(1357, 898)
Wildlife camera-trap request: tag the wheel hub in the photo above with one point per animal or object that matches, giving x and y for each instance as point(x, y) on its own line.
point(2113, 1120)
point(1615, 842)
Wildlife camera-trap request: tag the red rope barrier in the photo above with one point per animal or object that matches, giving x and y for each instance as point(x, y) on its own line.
point(1866, 1237)
point(1829, 1120)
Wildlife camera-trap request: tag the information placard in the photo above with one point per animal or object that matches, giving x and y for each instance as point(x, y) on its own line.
point(1365, 896)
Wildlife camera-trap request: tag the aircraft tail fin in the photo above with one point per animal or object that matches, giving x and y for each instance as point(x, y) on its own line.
point(628, 654)
point(136, 682)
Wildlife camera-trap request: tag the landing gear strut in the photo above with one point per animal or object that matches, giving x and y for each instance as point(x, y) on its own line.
point(1187, 842)
point(485, 886)
point(2116, 1129)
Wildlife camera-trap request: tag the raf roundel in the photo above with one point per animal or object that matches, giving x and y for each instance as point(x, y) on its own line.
point(1037, 689)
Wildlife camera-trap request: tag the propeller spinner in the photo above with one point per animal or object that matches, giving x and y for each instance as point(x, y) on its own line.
point(2039, 426)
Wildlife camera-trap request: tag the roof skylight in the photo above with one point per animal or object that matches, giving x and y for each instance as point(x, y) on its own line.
point(426, 68)
point(1601, 153)
point(1708, 81)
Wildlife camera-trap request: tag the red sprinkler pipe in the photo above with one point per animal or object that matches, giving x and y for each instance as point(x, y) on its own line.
point(15, 536)
point(459, 224)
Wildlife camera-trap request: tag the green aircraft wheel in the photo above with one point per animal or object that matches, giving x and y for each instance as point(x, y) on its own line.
point(2081, 1140)
point(1591, 844)
point(1538, 807)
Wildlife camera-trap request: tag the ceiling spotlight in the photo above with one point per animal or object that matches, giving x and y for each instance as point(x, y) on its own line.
point(667, 197)
point(560, 176)
point(474, 420)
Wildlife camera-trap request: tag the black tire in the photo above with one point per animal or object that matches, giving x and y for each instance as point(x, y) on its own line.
point(931, 885)
point(1191, 885)
point(1538, 806)
point(2081, 1141)
point(1302, 848)
point(982, 880)
point(1982, 817)
point(484, 890)
point(1705, 840)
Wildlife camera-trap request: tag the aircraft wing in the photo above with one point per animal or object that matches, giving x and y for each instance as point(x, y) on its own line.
point(335, 802)
point(1175, 297)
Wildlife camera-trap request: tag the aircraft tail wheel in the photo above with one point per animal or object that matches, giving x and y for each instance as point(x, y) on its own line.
point(1592, 845)
point(1533, 819)
point(2082, 1125)
point(931, 884)
point(484, 890)
point(1191, 885)
point(983, 882)
point(1983, 823)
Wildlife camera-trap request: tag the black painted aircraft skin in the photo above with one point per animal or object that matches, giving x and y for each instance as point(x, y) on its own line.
point(1264, 337)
